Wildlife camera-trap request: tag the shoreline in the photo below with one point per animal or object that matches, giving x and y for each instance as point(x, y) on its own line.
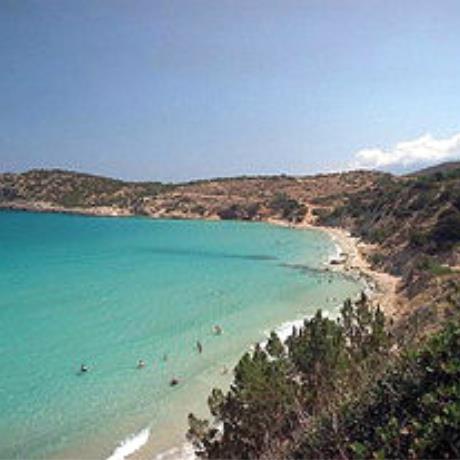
point(383, 287)
point(352, 260)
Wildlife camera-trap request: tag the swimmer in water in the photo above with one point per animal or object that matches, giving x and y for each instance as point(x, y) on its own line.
point(141, 364)
point(84, 368)
point(199, 347)
point(217, 329)
point(165, 357)
point(173, 382)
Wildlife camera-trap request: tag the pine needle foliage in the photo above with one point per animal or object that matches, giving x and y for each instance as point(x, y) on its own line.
point(280, 390)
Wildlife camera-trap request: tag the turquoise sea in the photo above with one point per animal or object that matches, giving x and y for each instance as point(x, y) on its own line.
point(110, 291)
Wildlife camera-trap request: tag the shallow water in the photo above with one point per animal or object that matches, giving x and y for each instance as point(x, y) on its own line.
point(110, 291)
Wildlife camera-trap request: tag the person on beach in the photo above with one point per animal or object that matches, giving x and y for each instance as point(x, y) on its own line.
point(141, 364)
point(199, 347)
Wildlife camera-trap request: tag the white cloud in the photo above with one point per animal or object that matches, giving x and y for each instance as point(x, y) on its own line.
point(424, 149)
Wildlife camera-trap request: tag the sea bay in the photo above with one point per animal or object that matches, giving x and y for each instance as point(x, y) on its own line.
point(107, 292)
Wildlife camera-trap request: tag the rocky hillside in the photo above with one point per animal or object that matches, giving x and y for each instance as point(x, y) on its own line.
point(257, 198)
point(415, 222)
point(440, 168)
point(69, 190)
point(254, 198)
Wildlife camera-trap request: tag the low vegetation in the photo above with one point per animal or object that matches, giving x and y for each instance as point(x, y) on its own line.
point(288, 208)
point(70, 189)
point(245, 198)
point(239, 211)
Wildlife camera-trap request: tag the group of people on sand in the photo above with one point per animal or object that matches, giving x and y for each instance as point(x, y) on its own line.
point(217, 330)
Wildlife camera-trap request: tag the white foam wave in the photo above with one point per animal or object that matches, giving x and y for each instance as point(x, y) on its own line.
point(338, 250)
point(185, 452)
point(130, 445)
point(285, 329)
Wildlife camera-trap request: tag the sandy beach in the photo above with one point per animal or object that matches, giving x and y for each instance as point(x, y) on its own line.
point(352, 259)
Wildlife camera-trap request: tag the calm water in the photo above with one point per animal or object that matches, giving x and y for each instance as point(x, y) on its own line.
point(107, 292)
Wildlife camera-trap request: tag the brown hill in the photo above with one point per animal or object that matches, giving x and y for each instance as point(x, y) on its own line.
point(288, 198)
point(440, 168)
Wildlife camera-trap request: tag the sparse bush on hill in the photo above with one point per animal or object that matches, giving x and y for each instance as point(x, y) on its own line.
point(418, 239)
point(8, 193)
point(71, 189)
point(239, 211)
point(446, 232)
point(407, 218)
point(288, 208)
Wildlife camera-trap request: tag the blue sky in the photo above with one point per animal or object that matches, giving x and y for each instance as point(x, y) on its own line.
point(173, 90)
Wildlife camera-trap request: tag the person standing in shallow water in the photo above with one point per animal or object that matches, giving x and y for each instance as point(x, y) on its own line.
point(199, 347)
point(217, 329)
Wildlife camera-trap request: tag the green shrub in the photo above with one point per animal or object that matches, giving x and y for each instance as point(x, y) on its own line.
point(376, 258)
point(439, 270)
point(277, 388)
point(239, 211)
point(447, 229)
point(413, 411)
point(289, 208)
point(418, 239)
point(379, 235)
